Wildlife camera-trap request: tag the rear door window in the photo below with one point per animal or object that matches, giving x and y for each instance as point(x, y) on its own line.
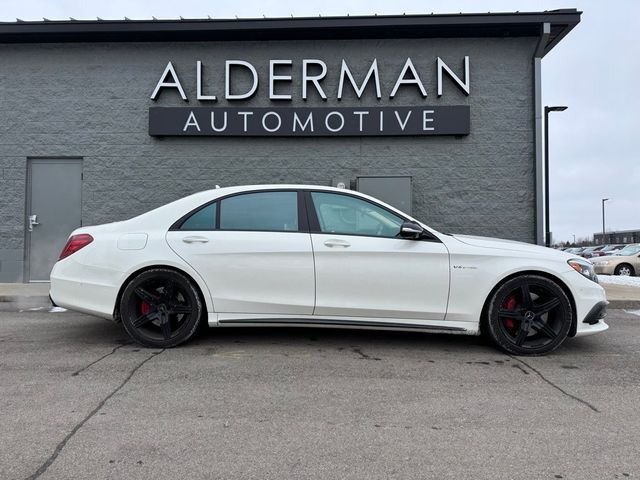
point(260, 211)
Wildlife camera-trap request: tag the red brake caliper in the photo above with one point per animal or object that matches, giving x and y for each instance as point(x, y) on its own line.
point(144, 308)
point(509, 304)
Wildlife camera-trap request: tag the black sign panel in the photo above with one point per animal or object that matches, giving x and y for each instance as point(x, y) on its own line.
point(309, 122)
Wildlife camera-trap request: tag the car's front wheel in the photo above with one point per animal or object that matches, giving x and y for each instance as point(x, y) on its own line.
point(160, 308)
point(529, 315)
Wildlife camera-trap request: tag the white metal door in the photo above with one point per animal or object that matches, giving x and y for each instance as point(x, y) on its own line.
point(380, 277)
point(252, 272)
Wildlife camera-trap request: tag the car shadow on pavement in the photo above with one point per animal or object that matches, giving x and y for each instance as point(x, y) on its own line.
point(93, 330)
point(335, 337)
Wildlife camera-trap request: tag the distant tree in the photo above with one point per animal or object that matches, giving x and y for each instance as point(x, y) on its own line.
point(583, 241)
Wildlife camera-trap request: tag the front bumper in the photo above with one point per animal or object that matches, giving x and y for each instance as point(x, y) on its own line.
point(594, 320)
point(590, 304)
point(597, 313)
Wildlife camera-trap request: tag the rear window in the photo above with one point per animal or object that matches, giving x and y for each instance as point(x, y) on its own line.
point(203, 219)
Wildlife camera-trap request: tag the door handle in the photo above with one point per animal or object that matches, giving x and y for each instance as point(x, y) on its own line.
point(32, 222)
point(195, 239)
point(334, 242)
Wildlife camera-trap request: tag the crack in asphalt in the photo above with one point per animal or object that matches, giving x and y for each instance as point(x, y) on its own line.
point(78, 372)
point(560, 389)
point(523, 370)
point(52, 458)
point(359, 351)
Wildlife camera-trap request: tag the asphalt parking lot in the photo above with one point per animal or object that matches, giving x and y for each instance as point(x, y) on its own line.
point(79, 401)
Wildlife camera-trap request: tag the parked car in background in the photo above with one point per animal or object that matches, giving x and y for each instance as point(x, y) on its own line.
point(626, 262)
point(589, 251)
point(608, 250)
point(575, 250)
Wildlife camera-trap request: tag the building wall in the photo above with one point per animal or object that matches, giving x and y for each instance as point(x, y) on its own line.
point(92, 100)
point(625, 236)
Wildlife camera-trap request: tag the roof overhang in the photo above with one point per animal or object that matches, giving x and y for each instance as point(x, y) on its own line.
point(526, 24)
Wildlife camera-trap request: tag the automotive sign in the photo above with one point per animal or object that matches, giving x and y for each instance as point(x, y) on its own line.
point(221, 121)
point(241, 80)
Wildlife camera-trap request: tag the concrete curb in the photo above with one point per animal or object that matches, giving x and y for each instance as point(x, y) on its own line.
point(19, 302)
point(14, 298)
point(624, 304)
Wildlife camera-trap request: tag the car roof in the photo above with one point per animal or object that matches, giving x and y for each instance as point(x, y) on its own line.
point(170, 212)
point(273, 186)
point(224, 191)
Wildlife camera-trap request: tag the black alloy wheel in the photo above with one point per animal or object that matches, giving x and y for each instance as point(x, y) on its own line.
point(160, 308)
point(529, 315)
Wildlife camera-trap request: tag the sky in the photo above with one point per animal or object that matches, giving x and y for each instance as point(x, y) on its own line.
point(593, 71)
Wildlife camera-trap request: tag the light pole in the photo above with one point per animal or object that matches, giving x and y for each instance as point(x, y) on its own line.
point(547, 233)
point(603, 200)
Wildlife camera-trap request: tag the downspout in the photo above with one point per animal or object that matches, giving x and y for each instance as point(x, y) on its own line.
point(540, 188)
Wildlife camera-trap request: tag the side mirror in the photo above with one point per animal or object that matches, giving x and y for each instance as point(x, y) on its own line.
point(411, 230)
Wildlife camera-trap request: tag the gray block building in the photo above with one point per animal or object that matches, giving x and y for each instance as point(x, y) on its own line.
point(437, 114)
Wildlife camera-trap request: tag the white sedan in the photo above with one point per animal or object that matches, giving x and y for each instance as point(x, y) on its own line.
point(318, 256)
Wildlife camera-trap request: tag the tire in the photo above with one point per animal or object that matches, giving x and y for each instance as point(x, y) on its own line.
point(529, 315)
point(625, 270)
point(160, 308)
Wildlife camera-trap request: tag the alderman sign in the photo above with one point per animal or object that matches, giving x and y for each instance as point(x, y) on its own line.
point(241, 81)
point(292, 121)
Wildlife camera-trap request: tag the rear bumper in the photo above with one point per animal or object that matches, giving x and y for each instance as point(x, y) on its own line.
point(92, 295)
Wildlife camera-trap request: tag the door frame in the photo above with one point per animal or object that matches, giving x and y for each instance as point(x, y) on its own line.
point(28, 189)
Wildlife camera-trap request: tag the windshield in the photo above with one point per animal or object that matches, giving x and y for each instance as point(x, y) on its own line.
point(632, 250)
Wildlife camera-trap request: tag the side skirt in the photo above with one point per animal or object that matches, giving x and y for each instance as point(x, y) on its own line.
point(256, 320)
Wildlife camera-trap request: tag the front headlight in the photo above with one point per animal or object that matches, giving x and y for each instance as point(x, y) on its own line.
point(584, 268)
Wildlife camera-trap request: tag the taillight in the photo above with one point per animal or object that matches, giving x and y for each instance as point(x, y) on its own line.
point(75, 243)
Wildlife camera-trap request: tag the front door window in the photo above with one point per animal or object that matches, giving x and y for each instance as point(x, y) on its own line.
point(346, 215)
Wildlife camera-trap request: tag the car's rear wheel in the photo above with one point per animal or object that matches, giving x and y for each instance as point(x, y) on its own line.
point(529, 315)
point(625, 270)
point(160, 308)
